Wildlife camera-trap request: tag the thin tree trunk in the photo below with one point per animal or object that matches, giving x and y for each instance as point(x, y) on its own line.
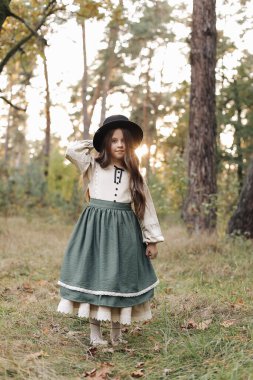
point(110, 63)
point(48, 116)
point(7, 135)
point(86, 124)
point(107, 78)
point(106, 86)
point(238, 130)
point(94, 100)
point(146, 109)
point(241, 221)
point(199, 208)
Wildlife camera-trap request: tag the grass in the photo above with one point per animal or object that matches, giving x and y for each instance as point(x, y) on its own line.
point(202, 313)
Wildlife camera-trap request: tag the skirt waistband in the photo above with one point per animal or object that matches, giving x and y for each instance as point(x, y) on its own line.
point(100, 203)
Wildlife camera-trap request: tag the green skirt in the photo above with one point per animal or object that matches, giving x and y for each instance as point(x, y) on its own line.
point(105, 262)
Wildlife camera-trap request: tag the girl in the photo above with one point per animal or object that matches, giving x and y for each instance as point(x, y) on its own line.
point(106, 269)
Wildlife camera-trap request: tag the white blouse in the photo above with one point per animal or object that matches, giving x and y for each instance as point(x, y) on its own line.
point(112, 184)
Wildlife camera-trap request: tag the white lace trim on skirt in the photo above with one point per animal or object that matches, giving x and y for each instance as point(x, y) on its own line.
point(124, 315)
point(105, 293)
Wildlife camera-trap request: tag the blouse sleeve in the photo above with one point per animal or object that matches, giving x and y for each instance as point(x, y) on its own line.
point(79, 153)
point(151, 230)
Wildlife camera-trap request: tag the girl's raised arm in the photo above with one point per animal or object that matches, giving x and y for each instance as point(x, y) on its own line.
point(79, 153)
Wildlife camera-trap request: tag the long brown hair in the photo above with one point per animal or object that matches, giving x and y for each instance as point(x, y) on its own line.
point(131, 164)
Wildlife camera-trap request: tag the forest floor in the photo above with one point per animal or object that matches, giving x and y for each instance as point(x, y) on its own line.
point(202, 312)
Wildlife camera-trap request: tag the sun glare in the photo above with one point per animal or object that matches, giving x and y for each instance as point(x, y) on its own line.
point(141, 151)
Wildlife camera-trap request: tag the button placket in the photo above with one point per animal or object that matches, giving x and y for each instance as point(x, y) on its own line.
point(117, 179)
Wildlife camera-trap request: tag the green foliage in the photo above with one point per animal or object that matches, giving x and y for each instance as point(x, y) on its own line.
point(151, 29)
point(25, 190)
point(168, 185)
point(64, 189)
point(235, 112)
point(4, 11)
point(89, 9)
point(228, 191)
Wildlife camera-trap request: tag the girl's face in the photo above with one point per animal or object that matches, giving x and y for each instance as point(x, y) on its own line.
point(118, 147)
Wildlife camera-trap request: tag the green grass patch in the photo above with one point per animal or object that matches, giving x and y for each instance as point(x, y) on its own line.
point(202, 312)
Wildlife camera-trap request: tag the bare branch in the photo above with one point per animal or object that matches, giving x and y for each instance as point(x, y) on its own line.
point(47, 12)
point(13, 105)
point(17, 17)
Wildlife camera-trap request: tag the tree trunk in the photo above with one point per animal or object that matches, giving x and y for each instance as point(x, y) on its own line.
point(110, 64)
point(237, 136)
point(199, 208)
point(108, 71)
point(7, 135)
point(94, 99)
point(48, 117)
point(148, 135)
point(241, 221)
point(86, 123)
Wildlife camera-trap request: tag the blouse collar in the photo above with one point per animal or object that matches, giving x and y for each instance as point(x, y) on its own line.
point(118, 168)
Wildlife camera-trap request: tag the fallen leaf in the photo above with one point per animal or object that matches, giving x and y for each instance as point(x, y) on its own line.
point(55, 327)
point(101, 373)
point(90, 373)
point(36, 336)
point(26, 287)
point(228, 322)
point(73, 333)
point(130, 351)
point(91, 351)
point(46, 330)
point(110, 350)
point(168, 290)
point(166, 371)
point(238, 304)
point(138, 373)
point(140, 364)
point(42, 282)
point(189, 325)
point(136, 331)
point(204, 325)
point(157, 347)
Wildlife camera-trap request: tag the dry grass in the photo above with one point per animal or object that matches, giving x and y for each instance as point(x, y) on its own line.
point(201, 279)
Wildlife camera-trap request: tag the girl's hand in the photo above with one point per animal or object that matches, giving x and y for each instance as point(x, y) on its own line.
point(151, 251)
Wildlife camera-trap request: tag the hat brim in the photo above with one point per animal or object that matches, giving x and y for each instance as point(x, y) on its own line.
point(134, 129)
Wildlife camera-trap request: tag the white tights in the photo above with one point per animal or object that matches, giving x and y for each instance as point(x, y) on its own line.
point(96, 335)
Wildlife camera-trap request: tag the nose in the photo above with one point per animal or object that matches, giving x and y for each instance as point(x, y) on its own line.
point(120, 143)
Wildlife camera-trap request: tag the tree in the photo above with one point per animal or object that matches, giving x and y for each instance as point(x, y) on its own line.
point(199, 208)
point(47, 11)
point(99, 80)
point(148, 37)
point(88, 10)
point(235, 111)
point(241, 221)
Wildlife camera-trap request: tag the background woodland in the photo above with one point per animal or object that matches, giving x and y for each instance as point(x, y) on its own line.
point(130, 62)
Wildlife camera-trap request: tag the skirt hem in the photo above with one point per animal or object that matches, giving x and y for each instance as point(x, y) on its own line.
point(125, 316)
point(106, 293)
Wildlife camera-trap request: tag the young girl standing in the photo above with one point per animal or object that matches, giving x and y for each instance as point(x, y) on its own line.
point(106, 269)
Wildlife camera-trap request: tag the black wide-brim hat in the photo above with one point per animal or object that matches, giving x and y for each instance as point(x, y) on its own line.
point(114, 122)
